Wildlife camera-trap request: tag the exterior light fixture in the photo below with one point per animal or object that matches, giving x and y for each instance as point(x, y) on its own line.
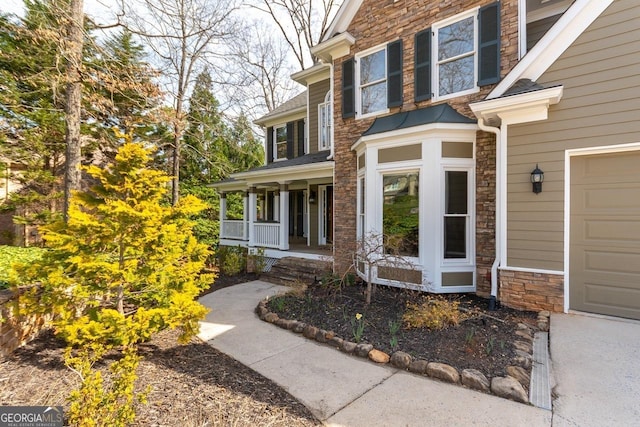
point(312, 197)
point(537, 177)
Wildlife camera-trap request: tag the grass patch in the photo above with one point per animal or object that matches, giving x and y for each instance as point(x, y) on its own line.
point(10, 255)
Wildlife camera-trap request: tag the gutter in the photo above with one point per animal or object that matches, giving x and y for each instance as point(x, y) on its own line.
point(493, 299)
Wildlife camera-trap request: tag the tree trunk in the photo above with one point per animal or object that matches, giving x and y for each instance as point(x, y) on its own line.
point(175, 183)
point(73, 54)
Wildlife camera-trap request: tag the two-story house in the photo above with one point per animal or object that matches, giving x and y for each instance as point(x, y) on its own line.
point(442, 113)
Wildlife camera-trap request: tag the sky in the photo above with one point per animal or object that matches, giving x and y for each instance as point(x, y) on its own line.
point(95, 8)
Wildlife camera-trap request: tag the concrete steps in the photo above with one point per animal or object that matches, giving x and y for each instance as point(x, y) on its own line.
point(290, 270)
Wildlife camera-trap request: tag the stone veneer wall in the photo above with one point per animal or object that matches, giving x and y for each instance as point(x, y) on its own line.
point(380, 22)
point(531, 291)
point(16, 331)
point(485, 211)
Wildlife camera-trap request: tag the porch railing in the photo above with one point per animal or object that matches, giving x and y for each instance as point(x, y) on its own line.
point(234, 229)
point(266, 235)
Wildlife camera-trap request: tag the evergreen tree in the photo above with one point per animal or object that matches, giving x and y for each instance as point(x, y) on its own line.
point(123, 267)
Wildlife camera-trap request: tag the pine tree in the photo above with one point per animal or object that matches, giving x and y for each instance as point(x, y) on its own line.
point(123, 267)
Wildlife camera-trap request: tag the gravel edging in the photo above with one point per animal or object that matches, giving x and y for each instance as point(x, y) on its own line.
point(513, 386)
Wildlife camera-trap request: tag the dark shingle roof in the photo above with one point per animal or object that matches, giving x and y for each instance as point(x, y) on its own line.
point(297, 102)
point(307, 159)
point(523, 86)
point(442, 113)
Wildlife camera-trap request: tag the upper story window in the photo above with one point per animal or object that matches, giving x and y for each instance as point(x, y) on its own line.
point(325, 120)
point(372, 82)
point(458, 55)
point(280, 142)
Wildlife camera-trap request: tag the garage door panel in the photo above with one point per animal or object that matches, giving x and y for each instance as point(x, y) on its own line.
point(604, 238)
point(612, 263)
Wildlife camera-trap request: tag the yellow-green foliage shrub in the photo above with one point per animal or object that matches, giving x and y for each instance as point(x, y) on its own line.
point(433, 312)
point(124, 266)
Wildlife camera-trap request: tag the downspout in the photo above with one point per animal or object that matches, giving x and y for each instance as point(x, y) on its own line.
point(498, 214)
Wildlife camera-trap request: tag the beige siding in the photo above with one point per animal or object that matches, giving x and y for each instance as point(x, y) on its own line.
point(317, 92)
point(600, 73)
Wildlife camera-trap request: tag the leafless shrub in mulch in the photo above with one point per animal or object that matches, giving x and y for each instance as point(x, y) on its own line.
point(191, 385)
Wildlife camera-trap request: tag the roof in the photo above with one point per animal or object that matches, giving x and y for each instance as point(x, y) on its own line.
point(523, 86)
point(298, 102)
point(442, 113)
point(560, 36)
point(307, 159)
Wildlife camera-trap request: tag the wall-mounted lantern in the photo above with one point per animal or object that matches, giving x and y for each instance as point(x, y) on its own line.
point(312, 197)
point(537, 177)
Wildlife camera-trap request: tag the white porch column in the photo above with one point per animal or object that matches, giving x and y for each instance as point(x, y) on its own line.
point(245, 215)
point(253, 208)
point(284, 217)
point(276, 206)
point(223, 213)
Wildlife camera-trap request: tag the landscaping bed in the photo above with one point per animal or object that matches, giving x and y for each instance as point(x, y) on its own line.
point(491, 342)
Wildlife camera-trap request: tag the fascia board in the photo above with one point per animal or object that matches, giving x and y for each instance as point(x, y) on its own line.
point(285, 116)
point(313, 74)
point(421, 132)
point(343, 18)
point(292, 173)
point(553, 44)
point(335, 47)
point(520, 108)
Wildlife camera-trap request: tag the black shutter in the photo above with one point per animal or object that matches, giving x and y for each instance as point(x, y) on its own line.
point(489, 44)
point(423, 65)
point(301, 138)
point(290, 140)
point(348, 89)
point(269, 145)
point(394, 74)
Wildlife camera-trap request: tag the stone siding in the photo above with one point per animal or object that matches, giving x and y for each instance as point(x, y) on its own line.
point(531, 291)
point(379, 22)
point(485, 210)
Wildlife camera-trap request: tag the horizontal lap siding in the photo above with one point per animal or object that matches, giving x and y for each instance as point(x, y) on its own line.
point(600, 106)
point(317, 92)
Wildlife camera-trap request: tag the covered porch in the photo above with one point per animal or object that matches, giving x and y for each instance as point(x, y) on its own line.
point(282, 212)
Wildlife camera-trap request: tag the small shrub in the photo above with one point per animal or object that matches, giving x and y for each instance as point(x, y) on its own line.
point(278, 303)
point(10, 255)
point(232, 260)
point(433, 313)
point(298, 289)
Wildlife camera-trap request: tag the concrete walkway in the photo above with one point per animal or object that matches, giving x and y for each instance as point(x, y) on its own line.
point(343, 390)
point(596, 364)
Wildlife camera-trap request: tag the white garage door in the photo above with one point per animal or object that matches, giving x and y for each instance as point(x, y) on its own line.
point(604, 259)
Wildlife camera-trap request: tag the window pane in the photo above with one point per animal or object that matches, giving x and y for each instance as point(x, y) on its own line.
point(374, 98)
point(455, 39)
point(456, 192)
point(401, 214)
point(282, 150)
point(454, 237)
point(456, 76)
point(373, 67)
point(281, 142)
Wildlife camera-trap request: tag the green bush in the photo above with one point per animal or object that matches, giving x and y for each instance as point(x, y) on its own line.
point(10, 255)
point(232, 260)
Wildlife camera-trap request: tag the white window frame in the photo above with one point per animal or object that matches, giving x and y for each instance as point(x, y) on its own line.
point(358, 86)
point(325, 129)
point(435, 83)
point(469, 216)
point(275, 141)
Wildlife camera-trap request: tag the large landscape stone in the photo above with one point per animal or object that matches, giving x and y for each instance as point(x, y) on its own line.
point(348, 347)
point(379, 356)
point(419, 366)
point(362, 350)
point(401, 360)
point(443, 372)
point(520, 374)
point(475, 379)
point(509, 388)
point(310, 331)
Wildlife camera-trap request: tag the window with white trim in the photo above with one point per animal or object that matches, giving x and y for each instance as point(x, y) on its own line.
point(325, 120)
point(401, 213)
point(456, 214)
point(280, 142)
point(455, 55)
point(372, 81)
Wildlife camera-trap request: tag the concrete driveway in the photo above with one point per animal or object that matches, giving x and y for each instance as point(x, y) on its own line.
point(596, 366)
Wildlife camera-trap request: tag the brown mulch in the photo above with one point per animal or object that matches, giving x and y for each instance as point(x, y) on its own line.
point(191, 385)
point(482, 342)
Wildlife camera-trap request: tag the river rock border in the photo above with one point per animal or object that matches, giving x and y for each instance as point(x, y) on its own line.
point(512, 386)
